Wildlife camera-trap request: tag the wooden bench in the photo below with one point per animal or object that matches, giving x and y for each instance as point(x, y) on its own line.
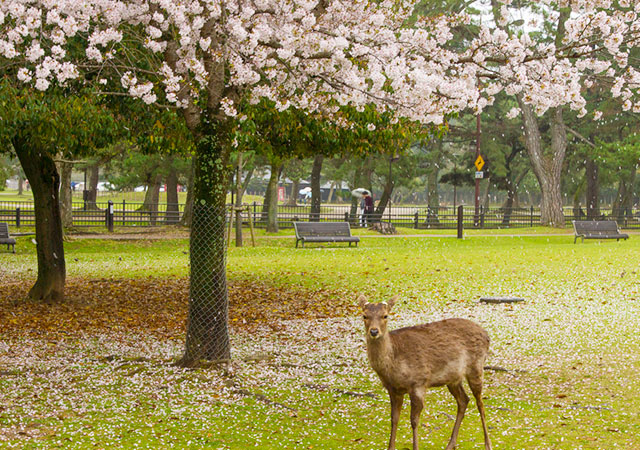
point(597, 229)
point(324, 232)
point(5, 238)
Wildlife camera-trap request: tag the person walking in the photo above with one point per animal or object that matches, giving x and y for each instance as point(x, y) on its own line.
point(368, 208)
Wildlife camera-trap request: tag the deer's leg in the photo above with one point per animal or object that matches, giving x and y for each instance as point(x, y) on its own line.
point(475, 383)
point(462, 399)
point(396, 407)
point(417, 403)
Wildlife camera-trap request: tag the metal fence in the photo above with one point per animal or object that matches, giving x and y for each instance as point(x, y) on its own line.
point(133, 214)
point(423, 217)
point(98, 214)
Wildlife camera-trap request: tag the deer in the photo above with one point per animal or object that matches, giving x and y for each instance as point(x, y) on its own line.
point(410, 360)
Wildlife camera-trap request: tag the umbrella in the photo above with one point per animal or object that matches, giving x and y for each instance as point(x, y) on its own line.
point(305, 190)
point(360, 192)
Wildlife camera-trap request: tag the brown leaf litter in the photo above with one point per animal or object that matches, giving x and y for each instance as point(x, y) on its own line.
point(155, 305)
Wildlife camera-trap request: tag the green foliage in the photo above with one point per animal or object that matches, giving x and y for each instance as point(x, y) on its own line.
point(70, 122)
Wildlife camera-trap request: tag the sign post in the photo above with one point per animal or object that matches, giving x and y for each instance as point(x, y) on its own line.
point(479, 163)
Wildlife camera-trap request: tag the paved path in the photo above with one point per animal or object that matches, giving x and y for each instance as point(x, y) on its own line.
point(184, 234)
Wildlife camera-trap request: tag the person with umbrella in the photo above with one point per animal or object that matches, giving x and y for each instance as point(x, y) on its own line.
point(306, 193)
point(366, 205)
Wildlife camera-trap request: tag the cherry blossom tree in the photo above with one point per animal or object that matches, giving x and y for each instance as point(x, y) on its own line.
point(205, 57)
point(545, 53)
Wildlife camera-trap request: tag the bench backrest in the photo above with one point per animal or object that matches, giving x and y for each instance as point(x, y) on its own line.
point(4, 230)
point(308, 229)
point(595, 226)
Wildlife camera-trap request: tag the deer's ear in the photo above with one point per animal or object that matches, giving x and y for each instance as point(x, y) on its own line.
point(392, 302)
point(362, 301)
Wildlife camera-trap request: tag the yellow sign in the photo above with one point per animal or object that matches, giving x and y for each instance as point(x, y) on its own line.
point(479, 163)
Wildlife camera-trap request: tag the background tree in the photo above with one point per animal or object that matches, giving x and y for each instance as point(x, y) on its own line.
point(39, 127)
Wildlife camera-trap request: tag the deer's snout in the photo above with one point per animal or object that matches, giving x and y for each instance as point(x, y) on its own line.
point(374, 332)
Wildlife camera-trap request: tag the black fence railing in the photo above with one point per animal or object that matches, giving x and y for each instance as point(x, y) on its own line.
point(422, 217)
point(98, 214)
point(134, 214)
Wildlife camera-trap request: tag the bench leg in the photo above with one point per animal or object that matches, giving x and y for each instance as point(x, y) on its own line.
point(297, 240)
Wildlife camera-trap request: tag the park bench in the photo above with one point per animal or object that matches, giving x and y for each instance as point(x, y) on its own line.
point(5, 238)
point(597, 229)
point(324, 232)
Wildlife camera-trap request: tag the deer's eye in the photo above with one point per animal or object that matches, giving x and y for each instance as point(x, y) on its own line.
point(385, 316)
point(365, 317)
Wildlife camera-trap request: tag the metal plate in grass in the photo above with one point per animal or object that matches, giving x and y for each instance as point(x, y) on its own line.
point(494, 300)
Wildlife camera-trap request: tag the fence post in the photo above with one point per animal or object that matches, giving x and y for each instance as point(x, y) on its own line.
point(110, 216)
point(124, 212)
point(460, 218)
point(17, 217)
point(254, 213)
point(346, 216)
point(416, 219)
point(531, 220)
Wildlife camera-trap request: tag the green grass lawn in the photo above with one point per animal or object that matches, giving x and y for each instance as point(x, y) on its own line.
point(571, 350)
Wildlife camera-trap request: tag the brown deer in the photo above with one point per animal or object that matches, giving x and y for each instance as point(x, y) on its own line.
point(410, 360)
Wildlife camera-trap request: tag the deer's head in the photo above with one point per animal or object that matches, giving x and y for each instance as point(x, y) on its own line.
point(375, 316)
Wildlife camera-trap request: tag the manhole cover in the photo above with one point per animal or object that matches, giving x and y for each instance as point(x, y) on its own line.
point(501, 300)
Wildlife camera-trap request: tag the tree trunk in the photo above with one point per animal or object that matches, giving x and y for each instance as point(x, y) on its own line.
point(316, 193)
point(433, 200)
point(246, 181)
point(152, 198)
point(593, 189)
point(20, 184)
point(293, 198)
point(173, 207)
point(264, 215)
point(384, 199)
point(547, 169)
point(92, 189)
point(66, 207)
point(271, 199)
point(623, 203)
point(628, 201)
point(512, 195)
point(239, 194)
point(508, 207)
point(578, 213)
point(187, 215)
point(207, 326)
point(454, 195)
point(331, 191)
point(40, 169)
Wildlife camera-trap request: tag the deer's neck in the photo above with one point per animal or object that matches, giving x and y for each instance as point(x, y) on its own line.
point(380, 353)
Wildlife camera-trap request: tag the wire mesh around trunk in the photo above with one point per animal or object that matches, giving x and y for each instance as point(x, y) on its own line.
point(207, 324)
